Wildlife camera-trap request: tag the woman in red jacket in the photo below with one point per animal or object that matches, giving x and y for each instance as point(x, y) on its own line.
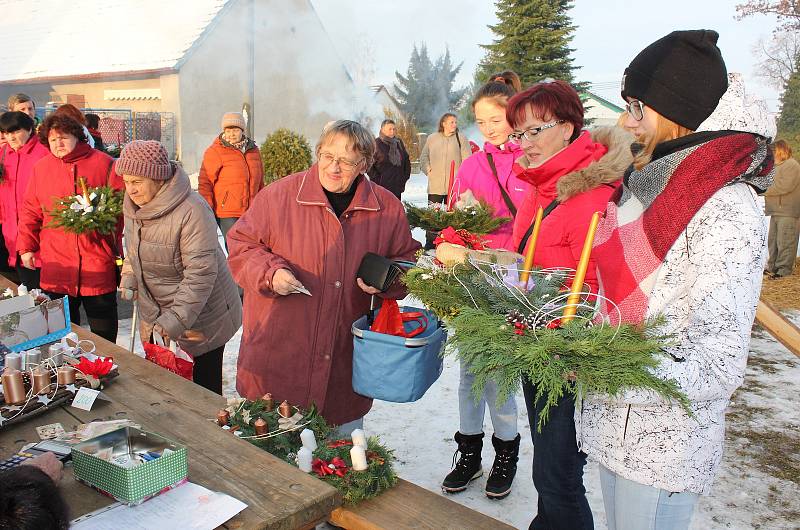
point(81, 266)
point(572, 173)
point(23, 151)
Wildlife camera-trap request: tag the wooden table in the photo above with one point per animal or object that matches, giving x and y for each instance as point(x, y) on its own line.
point(278, 495)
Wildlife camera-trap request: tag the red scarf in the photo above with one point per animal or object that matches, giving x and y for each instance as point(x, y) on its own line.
point(655, 204)
point(574, 157)
point(81, 151)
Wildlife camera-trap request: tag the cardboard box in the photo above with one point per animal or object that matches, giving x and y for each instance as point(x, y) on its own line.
point(24, 325)
point(101, 463)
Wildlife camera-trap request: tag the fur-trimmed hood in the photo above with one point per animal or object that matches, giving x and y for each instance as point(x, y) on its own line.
point(607, 170)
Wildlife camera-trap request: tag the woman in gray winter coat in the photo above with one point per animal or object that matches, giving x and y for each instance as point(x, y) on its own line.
point(174, 265)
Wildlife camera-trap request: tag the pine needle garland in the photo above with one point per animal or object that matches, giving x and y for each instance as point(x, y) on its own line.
point(478, 218)
point(98, 210)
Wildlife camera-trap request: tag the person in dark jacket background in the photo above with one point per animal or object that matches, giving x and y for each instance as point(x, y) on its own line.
point(93, 125)
point(392, 167)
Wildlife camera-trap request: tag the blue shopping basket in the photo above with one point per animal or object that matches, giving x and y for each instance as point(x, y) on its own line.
point(397, 369)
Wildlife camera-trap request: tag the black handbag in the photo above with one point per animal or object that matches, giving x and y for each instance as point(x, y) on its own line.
point(377, 271)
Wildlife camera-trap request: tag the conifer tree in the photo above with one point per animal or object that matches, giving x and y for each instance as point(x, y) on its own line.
point(789, 120)
point(426, 91)
point(533, 38)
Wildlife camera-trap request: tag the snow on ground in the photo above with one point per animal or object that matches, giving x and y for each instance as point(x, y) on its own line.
point(757, 486)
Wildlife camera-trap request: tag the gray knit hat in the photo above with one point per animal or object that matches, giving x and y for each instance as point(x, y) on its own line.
point(145, 158)
point(233, 119)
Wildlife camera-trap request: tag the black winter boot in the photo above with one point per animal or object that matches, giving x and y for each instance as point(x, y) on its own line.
point(501, 477)
point(468, 467)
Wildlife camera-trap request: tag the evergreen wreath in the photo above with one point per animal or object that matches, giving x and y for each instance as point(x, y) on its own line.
point(477, 218)
point(97, 210)
point(332, 462)
point(504, 333)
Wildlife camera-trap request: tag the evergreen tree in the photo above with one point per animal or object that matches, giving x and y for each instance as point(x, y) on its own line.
point(426, 91)
point(533, 38)
point(789, 120)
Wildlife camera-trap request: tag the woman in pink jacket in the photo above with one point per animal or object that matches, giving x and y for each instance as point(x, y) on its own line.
point(489, 175)
point(18, 158)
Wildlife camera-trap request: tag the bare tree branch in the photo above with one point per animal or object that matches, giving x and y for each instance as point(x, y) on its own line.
point(787, 11)
point(778, 57)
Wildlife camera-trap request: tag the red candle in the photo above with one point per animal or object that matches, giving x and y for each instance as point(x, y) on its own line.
point(450, 185)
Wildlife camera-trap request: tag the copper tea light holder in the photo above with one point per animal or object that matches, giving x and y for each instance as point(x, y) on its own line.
point(223, 417)
point(41, 381)
point(269, 403)
point(65, 376)
point(261, 426)
point(13, 386)
point(285, 410)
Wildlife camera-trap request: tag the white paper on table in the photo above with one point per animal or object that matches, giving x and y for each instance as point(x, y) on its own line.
point(189, 506)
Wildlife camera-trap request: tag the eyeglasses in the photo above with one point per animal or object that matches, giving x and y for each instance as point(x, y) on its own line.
point(531, 134)
point(344, 163)
point(636, 109)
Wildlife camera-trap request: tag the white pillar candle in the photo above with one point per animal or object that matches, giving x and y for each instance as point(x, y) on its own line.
point(359, 458)
point(22, 290)
point(308, 439)
point(359, 438)
point(304, 458)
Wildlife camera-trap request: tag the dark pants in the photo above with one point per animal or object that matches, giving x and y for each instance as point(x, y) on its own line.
point(208, 370)
point(557, 467)
point(225, 224)
point(430, 236)
point(28, 277)
point(101, 310)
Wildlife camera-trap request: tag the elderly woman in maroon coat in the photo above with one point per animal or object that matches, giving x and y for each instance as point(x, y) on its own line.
point(309, 231)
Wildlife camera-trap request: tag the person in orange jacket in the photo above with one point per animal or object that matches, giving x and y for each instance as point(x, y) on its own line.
point(232, 172)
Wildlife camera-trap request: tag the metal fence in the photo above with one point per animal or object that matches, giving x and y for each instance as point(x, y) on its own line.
point(120, 126)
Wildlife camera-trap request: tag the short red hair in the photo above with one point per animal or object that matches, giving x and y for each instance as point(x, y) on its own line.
point(548, 100)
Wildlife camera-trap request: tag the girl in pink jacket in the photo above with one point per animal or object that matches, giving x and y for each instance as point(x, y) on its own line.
point(489, 175)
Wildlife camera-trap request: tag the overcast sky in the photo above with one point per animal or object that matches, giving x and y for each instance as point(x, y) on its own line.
point(609, 34)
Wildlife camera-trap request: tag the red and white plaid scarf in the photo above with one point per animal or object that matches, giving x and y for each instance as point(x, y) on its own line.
point(655, 204)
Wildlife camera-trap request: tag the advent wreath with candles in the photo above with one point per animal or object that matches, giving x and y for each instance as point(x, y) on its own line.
point(514, 321)
point(359, 467)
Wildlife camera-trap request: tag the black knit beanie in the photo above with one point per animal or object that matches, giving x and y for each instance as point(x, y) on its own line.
point(682, 76)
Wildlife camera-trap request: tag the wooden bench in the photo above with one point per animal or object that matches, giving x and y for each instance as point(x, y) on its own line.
point(410, 506)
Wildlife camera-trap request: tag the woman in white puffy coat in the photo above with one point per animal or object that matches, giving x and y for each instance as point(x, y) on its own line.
point(684, 239)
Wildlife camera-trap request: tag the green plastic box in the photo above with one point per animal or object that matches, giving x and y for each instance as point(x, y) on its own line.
point(131, 485)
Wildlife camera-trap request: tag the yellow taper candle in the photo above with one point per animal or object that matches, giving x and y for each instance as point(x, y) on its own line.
point(84, 189)
point(580, 272)
point(527, 264)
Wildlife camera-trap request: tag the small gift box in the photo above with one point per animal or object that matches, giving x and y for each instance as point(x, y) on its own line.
point(129, 464)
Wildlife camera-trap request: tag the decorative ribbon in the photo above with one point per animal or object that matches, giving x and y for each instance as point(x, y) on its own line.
point(460, 237)
point(336, 466)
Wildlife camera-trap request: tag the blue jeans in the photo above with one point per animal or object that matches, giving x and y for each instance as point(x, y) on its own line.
point(557, 466)
point(504, 417)
point(633, 506)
